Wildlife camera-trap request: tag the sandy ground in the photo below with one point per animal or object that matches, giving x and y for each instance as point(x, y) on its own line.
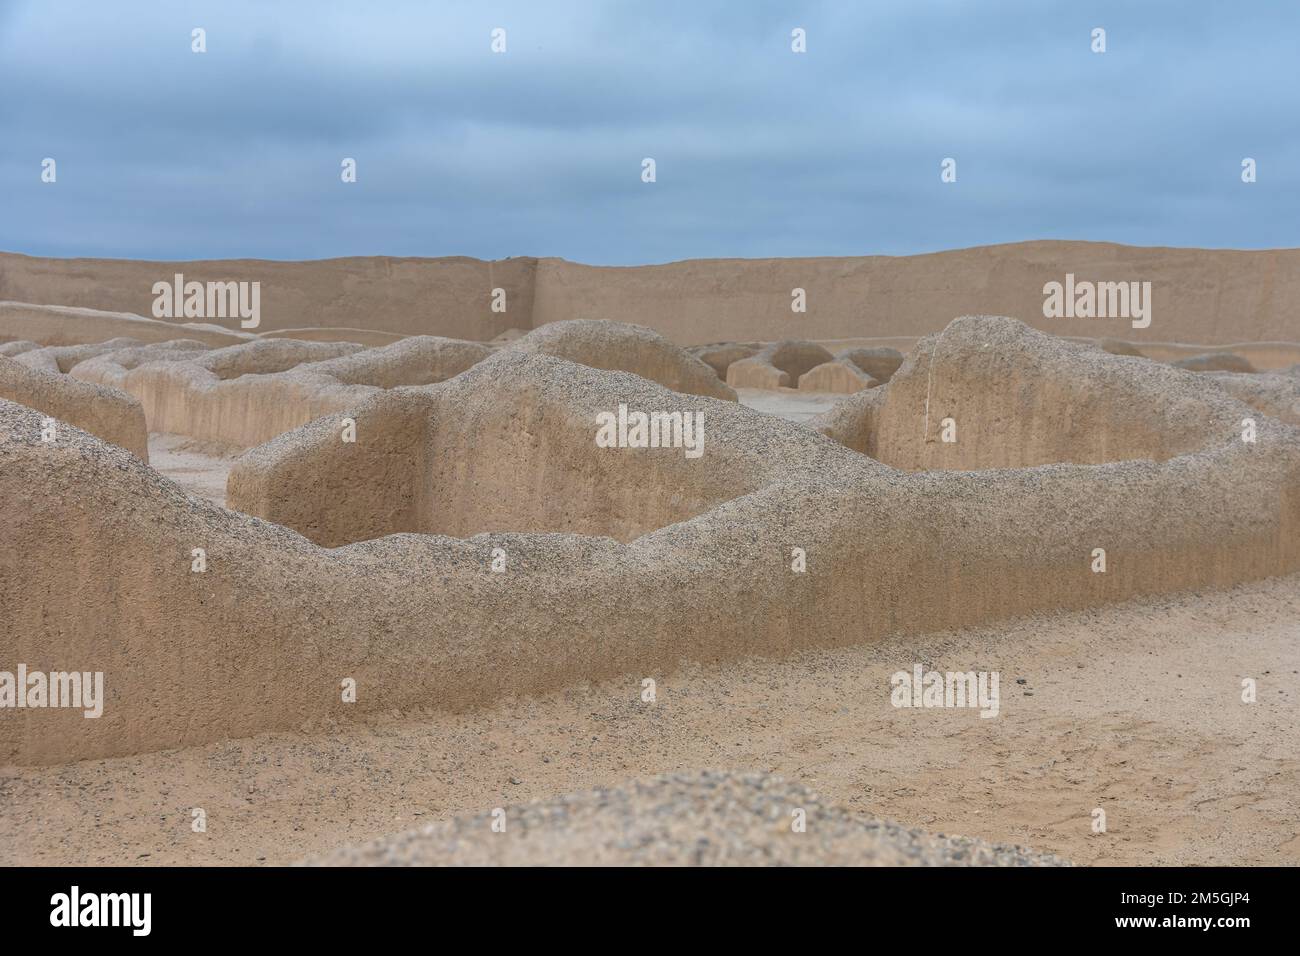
point(200, 468)
point(1134, 709)
point(788, 403)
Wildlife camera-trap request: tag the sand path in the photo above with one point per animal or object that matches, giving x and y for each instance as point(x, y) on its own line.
point(199, 468)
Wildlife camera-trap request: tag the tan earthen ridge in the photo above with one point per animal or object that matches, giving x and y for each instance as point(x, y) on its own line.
point(1208, 296)
point(373, 559)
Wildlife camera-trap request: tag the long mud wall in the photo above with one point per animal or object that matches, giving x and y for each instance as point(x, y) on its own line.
point(451, 297)
point(986, 393)
point(449, 461)
point(1198, 295)
point(100, 573)
point(49, 325)
point(247, 394)
point(107, 413)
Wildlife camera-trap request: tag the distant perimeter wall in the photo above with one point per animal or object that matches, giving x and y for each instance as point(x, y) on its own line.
point(1206, 296)
point(450, 297)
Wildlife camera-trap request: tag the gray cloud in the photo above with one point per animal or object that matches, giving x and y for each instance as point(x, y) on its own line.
point(168, 154)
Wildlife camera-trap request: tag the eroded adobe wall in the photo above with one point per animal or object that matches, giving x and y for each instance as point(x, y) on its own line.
point(108, 413)
point(839, 376)
point(418, 360)
point(99, 574)
point(248, 394)
point(620, 346)
point(993, 393)
point(344, 477)
point(61, 358)
point(508, 446)
point(779, 365)
point(186, 399)
point(521, 455)
point(263, 638)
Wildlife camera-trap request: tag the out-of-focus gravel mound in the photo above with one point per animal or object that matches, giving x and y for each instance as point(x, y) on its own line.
point(703, 819)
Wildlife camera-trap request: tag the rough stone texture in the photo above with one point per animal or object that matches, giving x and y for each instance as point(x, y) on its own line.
point(107, 413)
point(839, 376)
point(11, 349)
point(673, 559)
point(879, 363)
point(619, 347)
point(699, 819)
point(1215, 362)
point(779, 365)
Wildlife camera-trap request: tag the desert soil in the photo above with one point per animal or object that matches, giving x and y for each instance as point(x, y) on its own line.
point(788, 403)
point(201, 468)
point(1135, 709)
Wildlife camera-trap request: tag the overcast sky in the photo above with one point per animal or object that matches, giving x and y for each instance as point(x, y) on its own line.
point(165, 153)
